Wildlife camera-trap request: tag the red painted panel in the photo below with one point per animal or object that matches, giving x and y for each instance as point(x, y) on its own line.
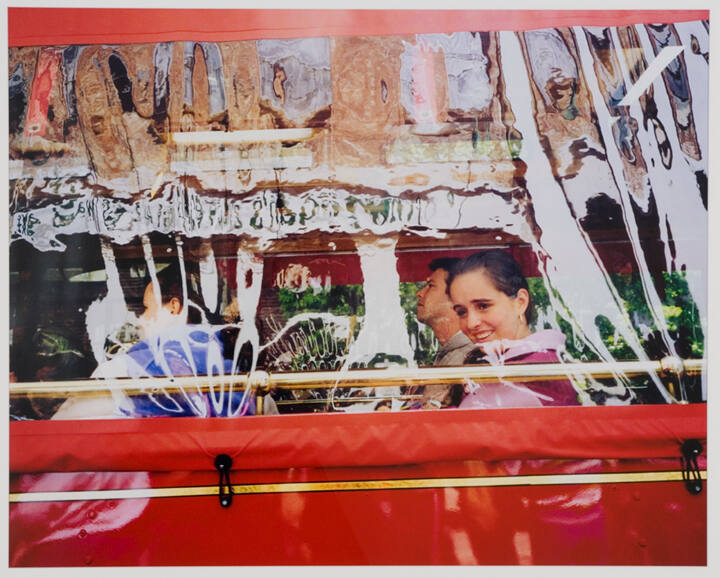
point(413, 266)
point(53, 26)
point(639, 523)
point(380, 438)
point(612, 523)
point(342, 269)
point(82, 481)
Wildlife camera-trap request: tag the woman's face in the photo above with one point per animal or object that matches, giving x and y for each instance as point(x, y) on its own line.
point(487, 314)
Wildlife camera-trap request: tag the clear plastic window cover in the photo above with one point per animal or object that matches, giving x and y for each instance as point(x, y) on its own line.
point(291, 258)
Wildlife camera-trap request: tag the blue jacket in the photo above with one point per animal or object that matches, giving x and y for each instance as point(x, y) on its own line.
point(180, 352)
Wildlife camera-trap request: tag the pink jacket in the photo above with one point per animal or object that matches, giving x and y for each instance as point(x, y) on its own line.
point(540, 347)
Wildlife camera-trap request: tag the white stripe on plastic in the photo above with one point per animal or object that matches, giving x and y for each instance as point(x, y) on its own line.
point(666, 56)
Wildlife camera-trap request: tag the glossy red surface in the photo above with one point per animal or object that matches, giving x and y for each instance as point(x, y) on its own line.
point(32, 26)
point(617, 523)
point(626, 523)
point(337, 440)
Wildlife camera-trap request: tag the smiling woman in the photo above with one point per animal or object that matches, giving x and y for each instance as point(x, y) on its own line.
point(491, 297)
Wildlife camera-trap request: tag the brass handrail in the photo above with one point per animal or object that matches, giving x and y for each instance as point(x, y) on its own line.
point(351, 378)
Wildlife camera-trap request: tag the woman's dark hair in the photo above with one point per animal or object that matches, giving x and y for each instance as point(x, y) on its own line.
point(501, 268)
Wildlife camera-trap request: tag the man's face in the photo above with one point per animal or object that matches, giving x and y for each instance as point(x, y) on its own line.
point(433, 302)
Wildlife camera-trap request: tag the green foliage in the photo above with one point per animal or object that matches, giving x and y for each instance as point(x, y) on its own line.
point(421, 336)
point(539, 294)
point(614, 341)
point(576, 348)
point(321, 349)
point(678, 308)
point(340, 300)
point(348, 300)
point(681, 312)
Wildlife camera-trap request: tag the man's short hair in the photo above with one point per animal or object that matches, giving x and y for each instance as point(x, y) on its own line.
point(444, 263)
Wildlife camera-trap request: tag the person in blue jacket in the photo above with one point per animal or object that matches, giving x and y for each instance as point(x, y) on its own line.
point(174, 344)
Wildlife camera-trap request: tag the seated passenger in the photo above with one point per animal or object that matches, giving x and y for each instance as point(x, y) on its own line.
point(171, 348)
point(435, 309)
point(491, 298)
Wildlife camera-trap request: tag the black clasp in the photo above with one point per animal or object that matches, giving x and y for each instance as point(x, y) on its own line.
point(691, 449)
point(223, 463)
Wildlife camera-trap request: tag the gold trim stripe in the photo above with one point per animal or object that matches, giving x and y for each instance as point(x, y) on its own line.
point(357, 485)
point(391, 376)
